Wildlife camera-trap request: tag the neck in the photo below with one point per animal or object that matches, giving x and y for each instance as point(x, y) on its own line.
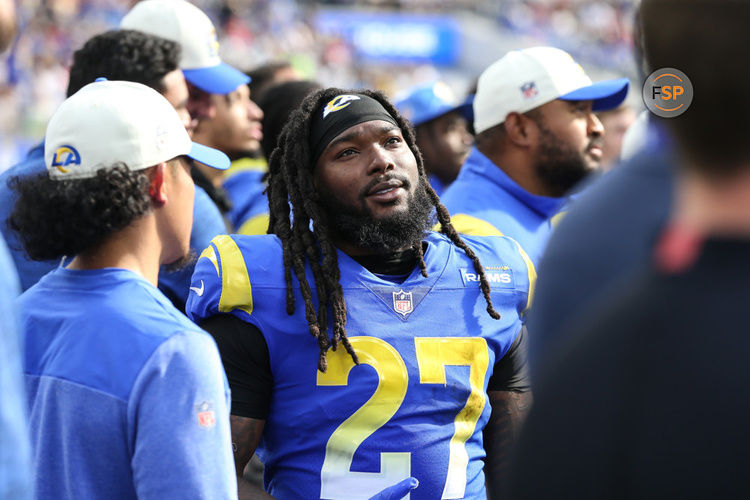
point(136, 248)
point(713, 207)
point(353, 250)
point(518, 165)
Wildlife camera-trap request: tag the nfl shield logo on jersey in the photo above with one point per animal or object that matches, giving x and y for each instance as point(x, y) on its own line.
point(206, 416)
point(402, 302)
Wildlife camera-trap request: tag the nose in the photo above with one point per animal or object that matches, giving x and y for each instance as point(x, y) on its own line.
point(187, 121)
point(381, 161)
point(466, 138)
point(253, 111)
point(595, 127)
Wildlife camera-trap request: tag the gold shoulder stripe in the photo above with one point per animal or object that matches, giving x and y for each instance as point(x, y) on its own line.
point(255, 225)
point(531, 271)
point(210, 254)
point(246, 165)
point(236, 292)
point(555, 220)
point(466, 224)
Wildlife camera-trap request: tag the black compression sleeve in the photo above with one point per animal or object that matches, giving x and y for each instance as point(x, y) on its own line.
point(511, 372)
point(244, 354)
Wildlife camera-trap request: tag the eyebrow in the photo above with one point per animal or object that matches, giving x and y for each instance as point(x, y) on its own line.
point(352, 136)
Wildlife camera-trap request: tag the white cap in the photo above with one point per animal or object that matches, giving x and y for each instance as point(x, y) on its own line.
point(526, 79)
point(186, 24)
point(111, 122)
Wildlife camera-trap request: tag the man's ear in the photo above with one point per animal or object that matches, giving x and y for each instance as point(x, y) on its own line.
point(520, 129)
point(157, 188)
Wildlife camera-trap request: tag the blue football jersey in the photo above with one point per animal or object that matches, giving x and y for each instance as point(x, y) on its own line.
point(244, 184)
point(414, 406)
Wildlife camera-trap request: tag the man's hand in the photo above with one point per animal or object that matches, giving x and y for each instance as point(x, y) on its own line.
point(398, 490)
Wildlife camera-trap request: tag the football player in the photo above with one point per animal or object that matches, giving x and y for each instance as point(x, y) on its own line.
point(395, 344)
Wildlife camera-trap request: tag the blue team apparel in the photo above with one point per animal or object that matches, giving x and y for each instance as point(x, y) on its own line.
point(207, 223)
point(29, 271)
point(15, 450)
point(483, 200)
point(244, 184)
point(415, 406)
point(127, 397)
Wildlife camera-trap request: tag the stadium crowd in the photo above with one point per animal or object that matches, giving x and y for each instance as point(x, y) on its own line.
point(249, 251)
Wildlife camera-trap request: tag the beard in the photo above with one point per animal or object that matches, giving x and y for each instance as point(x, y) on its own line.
point(178, 265)
point(558, 165)
point(386, 234)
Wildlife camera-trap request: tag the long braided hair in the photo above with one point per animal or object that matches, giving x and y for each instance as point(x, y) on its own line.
point(304, 230)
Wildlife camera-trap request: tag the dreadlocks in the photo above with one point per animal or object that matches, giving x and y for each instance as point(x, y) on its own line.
point(291, 183)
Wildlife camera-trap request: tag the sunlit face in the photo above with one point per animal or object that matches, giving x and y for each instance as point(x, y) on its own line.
point(369, 168)
point(177, 212)
point(368, 182)
point(176, 92)
point(569, 144)
point(235, 127)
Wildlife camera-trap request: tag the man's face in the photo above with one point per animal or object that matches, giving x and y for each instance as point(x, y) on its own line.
point(176, 92)
point(368, 183)
point(178, 211)
point(569, 144)
point(615, 122)
point(235, 127)
point(445, 142)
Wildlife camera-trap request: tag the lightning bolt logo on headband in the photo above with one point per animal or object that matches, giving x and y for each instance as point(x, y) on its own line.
point(64, 156)
point(338, 102)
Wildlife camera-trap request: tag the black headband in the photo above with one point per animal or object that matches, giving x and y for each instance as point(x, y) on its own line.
point(340, 113)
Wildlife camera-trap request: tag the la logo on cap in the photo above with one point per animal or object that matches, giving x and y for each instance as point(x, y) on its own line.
point(64, 156)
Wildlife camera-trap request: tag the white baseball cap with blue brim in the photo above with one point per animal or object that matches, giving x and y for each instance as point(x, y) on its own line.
point(426, 102)
point(525, 79)
point(186, 24)
point(109, 123)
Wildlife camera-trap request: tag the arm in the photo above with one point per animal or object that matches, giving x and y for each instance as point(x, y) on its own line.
point(246, 433)
point(509, 408)
point(510, 396)
point(244, 354)
point(178, 423)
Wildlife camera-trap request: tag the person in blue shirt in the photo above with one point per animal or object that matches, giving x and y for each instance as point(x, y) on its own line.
point(362, 348)
point(537, 137)
point(137, 57)
point(15, 453)
point(127, 397)
point(441, 124)
point(226, 118)
point(245, 179)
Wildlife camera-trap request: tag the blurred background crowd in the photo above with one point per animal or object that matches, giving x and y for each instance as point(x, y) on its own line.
point(389, 45)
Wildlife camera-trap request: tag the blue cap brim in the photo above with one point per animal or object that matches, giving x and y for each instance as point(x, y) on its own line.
point(465, 109)
point(221, 79)
point(606, 95)
point(209, 156)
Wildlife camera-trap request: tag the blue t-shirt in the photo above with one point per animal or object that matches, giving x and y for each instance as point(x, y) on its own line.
point(244, 185)
point(127, 397)
point(207, 223)
point(15, 452)
point(415, 406)
point(483, 201)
